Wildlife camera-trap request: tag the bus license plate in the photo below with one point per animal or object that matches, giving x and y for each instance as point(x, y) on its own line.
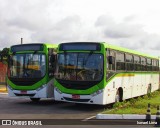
point(23, 92)
point(75, 96)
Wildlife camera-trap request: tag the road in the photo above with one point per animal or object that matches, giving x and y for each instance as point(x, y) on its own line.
point(54, 113)
point(17, 108)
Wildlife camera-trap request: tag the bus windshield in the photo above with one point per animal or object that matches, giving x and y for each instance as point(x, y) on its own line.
point(80, 66)
point(27, 66)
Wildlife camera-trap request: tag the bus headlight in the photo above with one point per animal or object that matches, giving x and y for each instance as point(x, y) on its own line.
point(58, 90)
point(97, 92)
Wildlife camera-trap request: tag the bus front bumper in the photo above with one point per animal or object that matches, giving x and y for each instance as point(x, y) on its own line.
point(38, 93)
point(95, 98)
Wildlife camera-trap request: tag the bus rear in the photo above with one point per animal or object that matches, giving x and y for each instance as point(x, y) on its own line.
point(30, 73)
point(80, 73)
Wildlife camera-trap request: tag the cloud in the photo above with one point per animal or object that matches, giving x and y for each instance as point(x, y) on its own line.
point(113, 29)
point(56, 21)
point(65, 30)
point(127, 34)
point(24, 18)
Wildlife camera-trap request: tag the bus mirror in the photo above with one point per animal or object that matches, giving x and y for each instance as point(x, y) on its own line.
point(51, 60)
point(110, 59)
point(10, 60)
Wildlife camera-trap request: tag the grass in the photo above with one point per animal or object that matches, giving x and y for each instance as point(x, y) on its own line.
point(137, 105)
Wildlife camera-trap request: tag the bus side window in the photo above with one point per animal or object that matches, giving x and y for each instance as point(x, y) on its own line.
point(110, 59)
point(137, 63)
point(154, 65)
point(143, 64)
point(149, 64)
point(129, 62)
point(120, 63)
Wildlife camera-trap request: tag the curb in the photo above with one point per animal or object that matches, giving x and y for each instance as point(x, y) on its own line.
point(123, 116)
point(4, 93)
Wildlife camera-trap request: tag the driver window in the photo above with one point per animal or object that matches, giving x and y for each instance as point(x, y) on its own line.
point(113, 55)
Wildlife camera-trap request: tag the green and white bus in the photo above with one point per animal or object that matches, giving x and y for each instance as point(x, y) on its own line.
point(30, 71)
point(101, 73)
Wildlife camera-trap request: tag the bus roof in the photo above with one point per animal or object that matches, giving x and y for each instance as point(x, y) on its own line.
point(51, 45)
point(107, 45)
point(47, 44)
point(31, 47)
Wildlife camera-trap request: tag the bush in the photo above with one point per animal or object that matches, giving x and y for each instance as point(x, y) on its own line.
point(133, 101)
point(117, 104)
point(139, 98)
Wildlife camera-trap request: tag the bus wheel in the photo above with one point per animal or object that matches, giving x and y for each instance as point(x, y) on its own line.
point(35, 99)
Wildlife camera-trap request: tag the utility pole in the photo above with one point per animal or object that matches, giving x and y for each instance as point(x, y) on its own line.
point(21, 40)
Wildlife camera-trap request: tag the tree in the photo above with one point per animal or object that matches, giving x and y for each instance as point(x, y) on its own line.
point(4, 54)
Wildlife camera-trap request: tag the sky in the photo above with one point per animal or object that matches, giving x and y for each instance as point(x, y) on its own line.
point(134, 24)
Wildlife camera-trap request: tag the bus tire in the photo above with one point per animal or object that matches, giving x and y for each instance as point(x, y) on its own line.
point(35, 99)
point(119, 95)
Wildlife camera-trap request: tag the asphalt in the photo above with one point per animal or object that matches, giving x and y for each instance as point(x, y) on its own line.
point(109, 120)
point(105, 116)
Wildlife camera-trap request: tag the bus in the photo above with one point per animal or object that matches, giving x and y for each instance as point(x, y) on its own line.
point(31, 71)
point(101, 73)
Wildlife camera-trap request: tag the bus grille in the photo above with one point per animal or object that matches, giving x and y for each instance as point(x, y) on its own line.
point(77, 100)
point(24, 94)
